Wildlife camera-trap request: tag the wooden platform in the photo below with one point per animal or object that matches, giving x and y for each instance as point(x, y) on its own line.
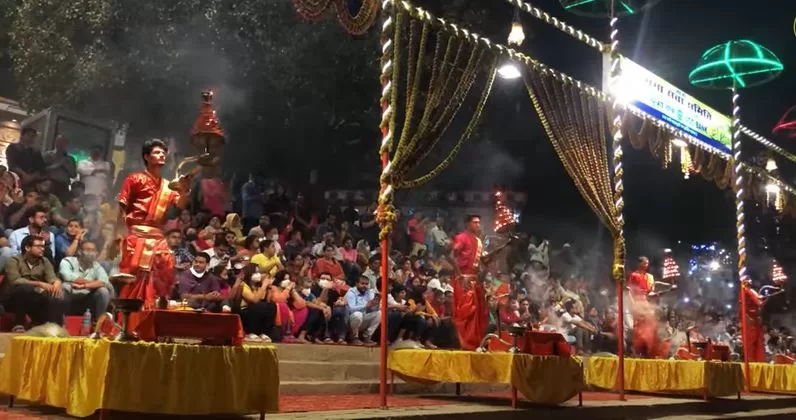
point(319, 369)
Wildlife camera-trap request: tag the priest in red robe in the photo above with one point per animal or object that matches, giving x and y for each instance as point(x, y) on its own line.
point(754, 341)
point(143, 202)
point(470, 313)
point(645, 326)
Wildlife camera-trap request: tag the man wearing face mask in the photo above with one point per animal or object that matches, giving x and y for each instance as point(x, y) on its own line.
point(86, 284)
point(199, 287)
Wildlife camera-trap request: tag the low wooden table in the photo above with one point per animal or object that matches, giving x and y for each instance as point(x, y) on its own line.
point(85, 375)
point(211, 328)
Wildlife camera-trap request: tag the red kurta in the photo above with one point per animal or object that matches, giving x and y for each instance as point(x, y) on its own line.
point(470, 313)
point(645, 326)
point(753, 343)
point(145, 253)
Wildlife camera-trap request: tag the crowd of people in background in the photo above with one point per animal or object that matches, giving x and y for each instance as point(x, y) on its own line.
point(297, 268)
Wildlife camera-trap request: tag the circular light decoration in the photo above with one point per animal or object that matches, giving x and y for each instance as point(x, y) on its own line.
point(786, 126)
point(602, 8)
point(356, 16)
point(739, 64)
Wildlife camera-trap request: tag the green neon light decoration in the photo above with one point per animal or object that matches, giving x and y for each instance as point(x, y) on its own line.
point(738, 64)
point(602, 8)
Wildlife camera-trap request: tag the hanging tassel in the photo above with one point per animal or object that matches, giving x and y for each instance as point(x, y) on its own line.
point(686, 165)
point(779, 204)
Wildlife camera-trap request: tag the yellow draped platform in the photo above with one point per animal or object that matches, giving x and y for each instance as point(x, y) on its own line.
point(714, 379)
point(541, 379)
point(766, 377)
point(83, 376)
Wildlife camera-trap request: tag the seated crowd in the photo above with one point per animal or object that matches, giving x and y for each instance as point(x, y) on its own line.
point(293, 273)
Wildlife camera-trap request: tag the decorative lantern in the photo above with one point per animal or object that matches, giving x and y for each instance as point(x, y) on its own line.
point(207, 136)
point(602, 8)
point(739, 64)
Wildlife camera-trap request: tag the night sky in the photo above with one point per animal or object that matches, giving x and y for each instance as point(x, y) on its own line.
point(669, 39)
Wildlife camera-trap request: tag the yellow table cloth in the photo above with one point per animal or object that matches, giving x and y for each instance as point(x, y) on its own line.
point(772, 378)
point(83, 375)
point(717, 379)
point(541, 379)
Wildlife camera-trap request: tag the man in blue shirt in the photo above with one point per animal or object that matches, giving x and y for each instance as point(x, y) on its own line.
point(364, 313)
point(86, 283)
point(37, 222)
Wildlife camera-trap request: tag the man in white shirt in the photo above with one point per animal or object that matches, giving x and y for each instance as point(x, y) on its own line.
point(574, 326)
point(95, 173)
point(436, 238)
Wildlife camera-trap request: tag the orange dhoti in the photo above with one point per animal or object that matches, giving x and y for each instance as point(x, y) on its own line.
point(146, 255)
point(470, 314)
point(645, 340)
point(753, 343)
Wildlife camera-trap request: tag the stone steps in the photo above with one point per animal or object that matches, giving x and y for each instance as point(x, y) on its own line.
point(354, 387)
point(326, 353)
point(290, 370)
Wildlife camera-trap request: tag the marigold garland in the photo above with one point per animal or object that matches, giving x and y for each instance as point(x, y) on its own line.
point(354, 24)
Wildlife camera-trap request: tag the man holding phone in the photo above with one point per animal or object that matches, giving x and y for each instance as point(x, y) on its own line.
point(364, 313)
point(31, 287)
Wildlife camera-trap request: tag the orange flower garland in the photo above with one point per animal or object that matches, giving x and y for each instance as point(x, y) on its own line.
point(312, 10)
point(354, 24)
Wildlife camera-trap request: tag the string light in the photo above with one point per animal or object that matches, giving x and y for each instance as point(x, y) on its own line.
point(686, 164)
point(537, 66)
point(618, 108)
point(559, 24)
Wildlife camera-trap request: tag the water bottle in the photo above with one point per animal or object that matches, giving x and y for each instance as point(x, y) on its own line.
point(85, 325)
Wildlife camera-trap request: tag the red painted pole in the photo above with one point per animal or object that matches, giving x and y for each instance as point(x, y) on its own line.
point(620, 337)
point(386, 126)
point(744, 340)
point(383, 338)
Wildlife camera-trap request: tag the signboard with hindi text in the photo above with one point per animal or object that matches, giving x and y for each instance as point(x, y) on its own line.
point(641, 89)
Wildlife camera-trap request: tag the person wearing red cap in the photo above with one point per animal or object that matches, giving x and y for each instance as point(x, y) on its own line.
point(143, 202)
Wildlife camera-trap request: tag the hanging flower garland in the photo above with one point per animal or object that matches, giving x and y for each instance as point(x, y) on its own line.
point(355, 22)
point(312, 10)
